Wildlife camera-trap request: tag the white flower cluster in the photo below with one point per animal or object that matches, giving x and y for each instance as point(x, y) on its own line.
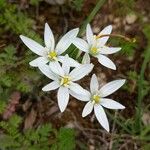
point(65, 71)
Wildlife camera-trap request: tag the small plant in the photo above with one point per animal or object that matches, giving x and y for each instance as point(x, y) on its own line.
point(44, 137)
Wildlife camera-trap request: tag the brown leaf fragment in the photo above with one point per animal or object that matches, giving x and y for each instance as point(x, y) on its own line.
point(30, 119)
point(11, 107)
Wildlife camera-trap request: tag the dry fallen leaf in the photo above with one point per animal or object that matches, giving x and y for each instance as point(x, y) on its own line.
point(30, 119)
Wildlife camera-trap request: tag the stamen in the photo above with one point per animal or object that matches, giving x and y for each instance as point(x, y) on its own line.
point(94, 50)
point(96, 99)
point(52, 55)
point(65, 81)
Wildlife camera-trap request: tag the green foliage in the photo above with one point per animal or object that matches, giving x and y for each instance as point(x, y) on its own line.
point(127, 48)
point(66, 139)
point(77, 4)
point(124, 7)
point(14, 73)
point(44, 137)
point(35, 2)
point(12, 19)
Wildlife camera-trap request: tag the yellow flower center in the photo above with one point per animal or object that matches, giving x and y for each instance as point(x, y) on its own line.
point(96, 99)
point(65, 81)
point(52, 55)
point(94, 50)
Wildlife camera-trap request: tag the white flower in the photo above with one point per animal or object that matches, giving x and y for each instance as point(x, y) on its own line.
point(64, 80)
point(96, 99)
point(96, 46)
point(51, 53)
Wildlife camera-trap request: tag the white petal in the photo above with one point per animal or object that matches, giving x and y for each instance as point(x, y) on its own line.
point(51, 86)
point(56, 68)
point(106, 30)
point(45, 69)
point(101, 116)
point(86, 59)
point(37, 61)
point(109, 50)
point(81, 44)
point(63, 98)
point(87, 109)
point(76, 88)
point(89, 34)
point(86, 97)
point(111, 87)
point(81, 71)
point(66, 40)
point(49, 37)
point(94, 83)
point(33, 46)
point(70, 61)
point(105, 61)
point(111, 104)
point(65, 64)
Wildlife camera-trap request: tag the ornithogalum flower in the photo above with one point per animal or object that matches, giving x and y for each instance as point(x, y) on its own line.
point(96, 99)
point(51, 53)
point(64, 80)
point(96, 46)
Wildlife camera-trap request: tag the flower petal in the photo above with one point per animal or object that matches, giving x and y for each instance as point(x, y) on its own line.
point(65, 64)
point(105, 61)
point(101, 116)
point(49, 37)
point(77, 89)
point(51, 86)
point(56, 68)
point(94, 84)
point(33, 46)
point(81, 71)
point(66, 40)
point(89, 34)
point(84, 98)
point(111, 104)
point(109, 50)
point(86, 59)
point(111, 87)
point(70, 61)
point(106, 30)
point(37, 61)
point(87, 109)
point(81, 44)
point(63, 98)
point(45, 69)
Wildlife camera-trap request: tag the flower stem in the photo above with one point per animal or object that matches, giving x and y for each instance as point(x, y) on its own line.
point(98, 5)
point(73, 51)
point(119, 36)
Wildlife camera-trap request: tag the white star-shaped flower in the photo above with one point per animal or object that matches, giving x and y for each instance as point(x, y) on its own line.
point(96, 46)
point(51, 53)
point(64, 80)
point(96, 99)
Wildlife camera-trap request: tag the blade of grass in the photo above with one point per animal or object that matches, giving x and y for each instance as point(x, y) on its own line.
point(119, 123)
point(140, 82)
point(140, 88)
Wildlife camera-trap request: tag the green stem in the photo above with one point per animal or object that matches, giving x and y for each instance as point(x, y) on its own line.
point(140, 87)
point(98, 5)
